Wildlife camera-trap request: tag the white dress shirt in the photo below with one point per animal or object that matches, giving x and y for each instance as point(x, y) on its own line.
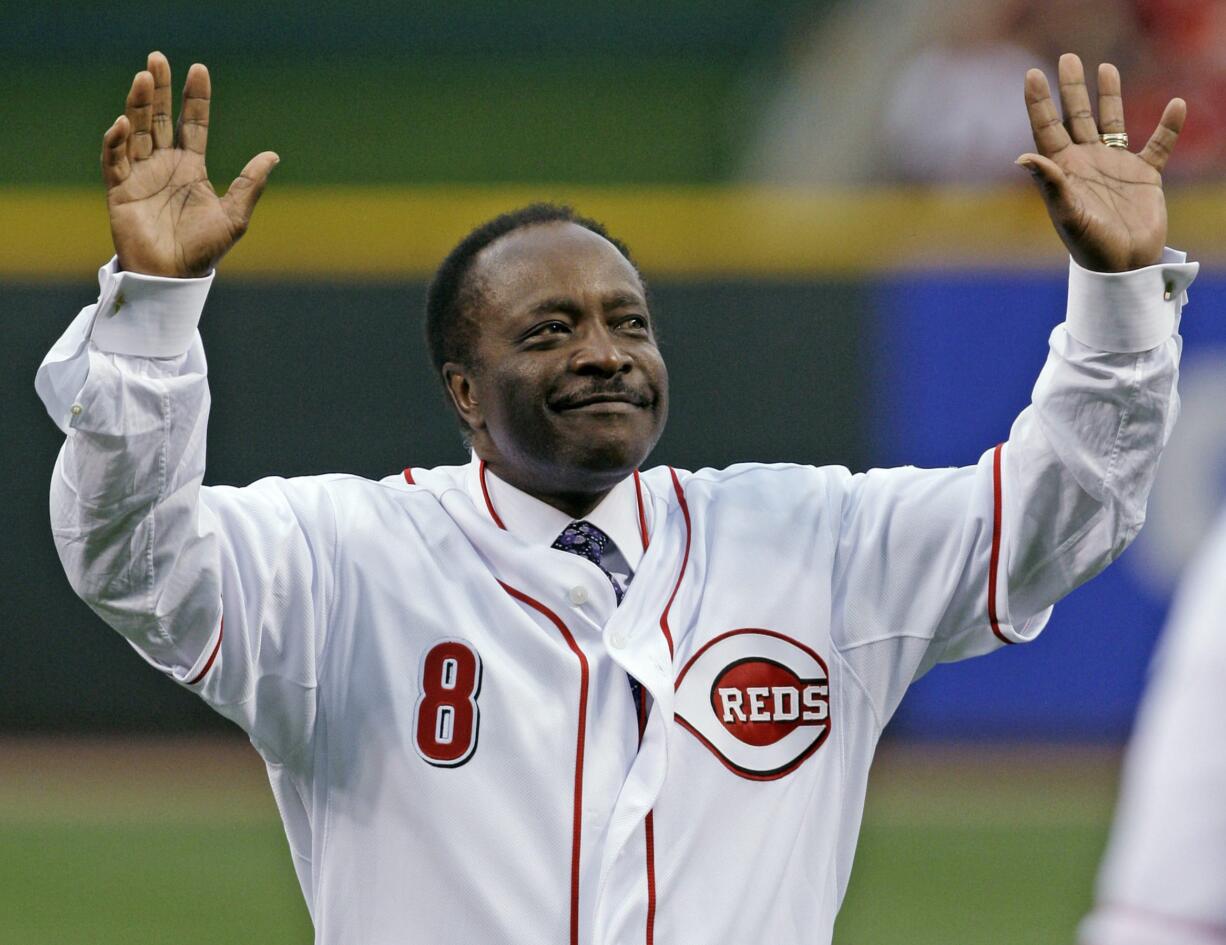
point(539, 523)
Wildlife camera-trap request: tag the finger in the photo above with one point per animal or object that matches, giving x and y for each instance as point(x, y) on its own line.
point(163, 131)
point(194, 115)
point(1075, 100)
point(240, 199)
point(138, 109)
point(1162, 142)
point(1049, 134)
point(1110, 101)
point(1051, 181)
point(115, 165)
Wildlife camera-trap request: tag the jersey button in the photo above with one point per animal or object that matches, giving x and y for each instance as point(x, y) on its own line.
point(617, 640)
point(577, 595)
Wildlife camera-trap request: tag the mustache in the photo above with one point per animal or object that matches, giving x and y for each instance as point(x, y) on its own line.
point(616, 391)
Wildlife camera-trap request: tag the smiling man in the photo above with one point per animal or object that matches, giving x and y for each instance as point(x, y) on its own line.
point(543, 697)
point(538, 324)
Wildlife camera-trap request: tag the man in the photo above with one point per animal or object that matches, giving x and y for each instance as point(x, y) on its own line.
point(542, 697)
point(1163, 879)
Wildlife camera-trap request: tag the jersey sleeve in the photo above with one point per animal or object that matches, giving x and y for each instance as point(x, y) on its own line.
point(225, 590)
point(1163, 878)
point(942, 564)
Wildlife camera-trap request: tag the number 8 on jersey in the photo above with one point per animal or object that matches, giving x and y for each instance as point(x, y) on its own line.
point(446, 718)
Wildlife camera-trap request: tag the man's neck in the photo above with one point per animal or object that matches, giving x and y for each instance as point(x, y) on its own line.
point(575, 503)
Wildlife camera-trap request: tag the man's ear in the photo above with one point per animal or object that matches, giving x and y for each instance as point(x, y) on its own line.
point(463, 393)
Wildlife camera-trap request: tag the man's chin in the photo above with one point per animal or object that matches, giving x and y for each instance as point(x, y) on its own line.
point(606, 458)
point(611, 460)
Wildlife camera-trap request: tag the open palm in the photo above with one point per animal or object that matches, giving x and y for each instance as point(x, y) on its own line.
point(166, 219)
point(1106, 202)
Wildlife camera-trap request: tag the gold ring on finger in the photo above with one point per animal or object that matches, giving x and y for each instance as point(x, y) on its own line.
point(1115, 139)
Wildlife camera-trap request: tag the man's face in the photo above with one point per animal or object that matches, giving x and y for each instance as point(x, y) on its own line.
point(567, 392)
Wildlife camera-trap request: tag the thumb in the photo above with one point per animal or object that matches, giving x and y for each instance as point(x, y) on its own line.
point(1049, 177)
point(245, 190)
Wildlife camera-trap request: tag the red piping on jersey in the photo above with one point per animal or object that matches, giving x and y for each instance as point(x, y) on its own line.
point(649, 831)
point(638, 494)
point(212, 656)
point(408, 475)
point(685, 560)
point(488, 504)
point(649, 827)
point(577, 817)
point(649, 824)
point(994, 563)
point(649, 841)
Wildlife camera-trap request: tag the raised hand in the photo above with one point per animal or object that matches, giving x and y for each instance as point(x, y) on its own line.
point(1106, 202)
point(166, 219)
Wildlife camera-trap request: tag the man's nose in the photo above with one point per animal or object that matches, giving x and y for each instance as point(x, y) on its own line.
point(599, 353)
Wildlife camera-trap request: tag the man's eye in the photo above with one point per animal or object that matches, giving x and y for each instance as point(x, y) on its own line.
point(635, 323)
point(550, 328)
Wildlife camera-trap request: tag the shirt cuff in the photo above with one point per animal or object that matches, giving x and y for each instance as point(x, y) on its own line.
point(1128, 312)
point(147, 316)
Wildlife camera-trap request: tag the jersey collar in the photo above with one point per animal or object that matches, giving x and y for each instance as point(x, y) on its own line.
point(624, 514)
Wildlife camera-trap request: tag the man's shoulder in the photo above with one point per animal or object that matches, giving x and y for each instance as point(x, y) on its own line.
point(761, 483)
point(346, 490)
point(746, 475)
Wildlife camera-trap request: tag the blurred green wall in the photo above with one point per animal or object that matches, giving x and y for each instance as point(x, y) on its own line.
point(379, 92)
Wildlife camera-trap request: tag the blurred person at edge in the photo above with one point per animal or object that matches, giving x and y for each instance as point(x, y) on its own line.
point(1160, 44)
point(1183, 43)
point(968, 68)
point(1163, 878)
point(854, 102)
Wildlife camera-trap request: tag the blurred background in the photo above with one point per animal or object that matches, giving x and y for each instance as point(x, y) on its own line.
point(847, 268)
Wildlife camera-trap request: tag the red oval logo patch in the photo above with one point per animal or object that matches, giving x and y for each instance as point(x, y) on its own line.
point(760, 701)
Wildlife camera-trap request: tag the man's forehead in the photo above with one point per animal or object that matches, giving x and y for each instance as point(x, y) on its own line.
point(554, 257)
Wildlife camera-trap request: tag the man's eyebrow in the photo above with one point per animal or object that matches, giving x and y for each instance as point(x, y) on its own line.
point(567, 305)
point(621, 300)
point(560, 303)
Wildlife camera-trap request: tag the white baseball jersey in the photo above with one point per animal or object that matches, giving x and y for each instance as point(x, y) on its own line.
point(442, 703)
point(1163, 880)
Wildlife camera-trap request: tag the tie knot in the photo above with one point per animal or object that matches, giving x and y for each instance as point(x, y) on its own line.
point(584, 539)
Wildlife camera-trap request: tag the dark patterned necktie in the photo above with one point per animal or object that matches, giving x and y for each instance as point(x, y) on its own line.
point(587, 541)
point(584, 539)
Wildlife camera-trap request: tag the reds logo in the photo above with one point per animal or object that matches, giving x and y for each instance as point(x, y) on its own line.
point(757, 699)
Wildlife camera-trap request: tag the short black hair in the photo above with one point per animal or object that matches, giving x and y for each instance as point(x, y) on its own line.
point(452, 296)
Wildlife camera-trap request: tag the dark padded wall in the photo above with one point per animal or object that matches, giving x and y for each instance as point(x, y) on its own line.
point(323, 378)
